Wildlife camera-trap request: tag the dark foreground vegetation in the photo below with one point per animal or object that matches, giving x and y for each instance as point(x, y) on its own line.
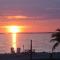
point(28, 56)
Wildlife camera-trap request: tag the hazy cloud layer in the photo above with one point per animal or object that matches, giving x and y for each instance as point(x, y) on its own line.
point(43, 9)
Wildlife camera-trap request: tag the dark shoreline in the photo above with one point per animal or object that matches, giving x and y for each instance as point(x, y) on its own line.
point(35, 56)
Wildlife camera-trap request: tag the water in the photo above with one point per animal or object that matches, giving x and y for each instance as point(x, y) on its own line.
point(41, 42)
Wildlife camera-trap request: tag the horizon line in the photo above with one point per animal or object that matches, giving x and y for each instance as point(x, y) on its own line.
point(28, 32)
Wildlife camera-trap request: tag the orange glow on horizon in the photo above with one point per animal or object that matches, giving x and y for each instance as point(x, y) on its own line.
point(14, 29)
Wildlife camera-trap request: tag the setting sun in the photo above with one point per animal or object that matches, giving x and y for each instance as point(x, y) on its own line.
point(14, 29)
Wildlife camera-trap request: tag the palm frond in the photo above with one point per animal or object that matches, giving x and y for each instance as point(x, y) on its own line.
point(54, 34)
point(55, 37)
point(52, 40)
point(55, 45)
point(58, 29)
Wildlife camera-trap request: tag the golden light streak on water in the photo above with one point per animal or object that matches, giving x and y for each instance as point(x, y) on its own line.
point(14, 41)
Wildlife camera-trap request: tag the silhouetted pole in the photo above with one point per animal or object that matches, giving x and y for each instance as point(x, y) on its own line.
point(23, 48)
point(31, 50)
point(31, 45)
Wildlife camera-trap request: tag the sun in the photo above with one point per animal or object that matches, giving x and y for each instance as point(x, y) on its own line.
point(14, 29)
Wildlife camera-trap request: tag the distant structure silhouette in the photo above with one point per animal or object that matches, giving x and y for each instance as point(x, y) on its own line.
point(12, 50)
point(18, 50)
point(31, 50)
point(23, 48)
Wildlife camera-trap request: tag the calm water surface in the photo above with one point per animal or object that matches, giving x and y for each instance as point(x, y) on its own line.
point(41, 42)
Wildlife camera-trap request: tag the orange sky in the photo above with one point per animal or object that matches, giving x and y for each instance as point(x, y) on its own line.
point(36, 15)
point(30, 25)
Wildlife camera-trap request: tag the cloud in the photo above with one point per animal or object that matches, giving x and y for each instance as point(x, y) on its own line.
point(16, 17)
point(30, 9)
point(2, 18)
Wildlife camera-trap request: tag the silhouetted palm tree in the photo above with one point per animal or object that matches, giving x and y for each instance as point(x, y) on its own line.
point(55, 37)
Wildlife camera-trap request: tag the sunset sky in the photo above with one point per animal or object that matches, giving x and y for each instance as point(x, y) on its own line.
point(35, 15)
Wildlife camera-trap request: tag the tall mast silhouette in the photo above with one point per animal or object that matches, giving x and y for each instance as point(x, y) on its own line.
point(31, 50)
